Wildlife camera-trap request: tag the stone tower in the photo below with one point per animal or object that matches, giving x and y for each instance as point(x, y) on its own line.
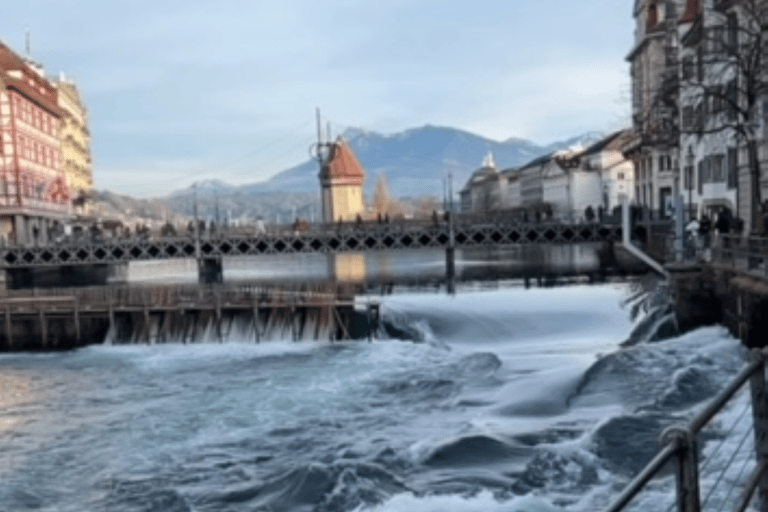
point(341, 182)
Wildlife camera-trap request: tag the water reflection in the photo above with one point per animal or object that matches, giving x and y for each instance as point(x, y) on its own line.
point(16, 390)
point(396, 267)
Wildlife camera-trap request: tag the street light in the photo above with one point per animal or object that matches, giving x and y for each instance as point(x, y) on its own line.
point(689, 158)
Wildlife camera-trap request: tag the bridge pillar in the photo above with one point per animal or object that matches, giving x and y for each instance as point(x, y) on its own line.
point(450, 269)
point(210, 271)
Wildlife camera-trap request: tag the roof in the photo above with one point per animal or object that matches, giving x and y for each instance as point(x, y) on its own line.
point(341, 163)
point(614, 142)
point(692, 11)
point(538, 161)
point(10, 61)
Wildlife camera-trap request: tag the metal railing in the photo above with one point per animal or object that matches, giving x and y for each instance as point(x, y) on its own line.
point(749, 253)
point(680, 445)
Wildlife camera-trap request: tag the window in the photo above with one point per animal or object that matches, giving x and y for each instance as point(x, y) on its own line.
point(733, 30)
point(688, 178)
point(653, 16)
point(716, 40)
point(733, 168)
point(731, 98)
point(718, 168)
point(620, 176)
point(688, 67)
point(716, 94)
point(700, 64)
point(707, 175)
point(687, 117)
point(701, 176)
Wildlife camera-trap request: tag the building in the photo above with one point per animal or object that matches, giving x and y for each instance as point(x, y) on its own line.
point(34, 195)
point(654, 71)
point(699, 106)
point(482, 193)
point(559, 186)
point(75, 141)
point(341, 182)
point(616, 173)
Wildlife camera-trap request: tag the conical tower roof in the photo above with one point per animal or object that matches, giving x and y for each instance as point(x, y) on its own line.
point(341, 163)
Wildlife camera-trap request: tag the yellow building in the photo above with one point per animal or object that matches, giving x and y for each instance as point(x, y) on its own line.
point(75, 140)
point(341, 180)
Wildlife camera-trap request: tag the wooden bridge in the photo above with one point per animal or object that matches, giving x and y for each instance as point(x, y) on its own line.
point(329, 240)
point(89, 261)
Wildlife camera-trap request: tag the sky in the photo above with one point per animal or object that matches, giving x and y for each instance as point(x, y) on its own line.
point(185, 90)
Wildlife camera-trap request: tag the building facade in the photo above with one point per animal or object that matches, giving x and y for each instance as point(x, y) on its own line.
point(712, 85)
point(654, 71)
point(34, 195)
point(75, 141)
point(341, 183)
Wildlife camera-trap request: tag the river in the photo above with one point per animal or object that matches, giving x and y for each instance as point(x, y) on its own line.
point(515, 400)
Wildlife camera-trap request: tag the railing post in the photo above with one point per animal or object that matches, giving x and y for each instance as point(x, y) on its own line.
point(757, 387)
point(687, 467)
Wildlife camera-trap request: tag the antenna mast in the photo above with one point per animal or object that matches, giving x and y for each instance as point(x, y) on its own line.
point(29, 52)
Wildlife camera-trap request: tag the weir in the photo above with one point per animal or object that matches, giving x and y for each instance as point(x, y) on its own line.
point(68, 318)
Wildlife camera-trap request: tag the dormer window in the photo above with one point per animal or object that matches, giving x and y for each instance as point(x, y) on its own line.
point(653, 16)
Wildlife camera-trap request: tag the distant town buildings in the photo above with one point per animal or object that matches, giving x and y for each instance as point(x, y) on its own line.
point(43, 136)
point(341, 182)
point(564, 185)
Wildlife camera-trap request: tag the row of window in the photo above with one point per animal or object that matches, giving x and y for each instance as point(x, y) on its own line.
point(32, 189)
point(37, 152)
point(35, 116)
point(717, 168)
point(721, 41)
point(716, 99)
point(645, 166)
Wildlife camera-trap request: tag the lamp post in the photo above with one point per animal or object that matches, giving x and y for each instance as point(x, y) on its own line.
point(689, 159)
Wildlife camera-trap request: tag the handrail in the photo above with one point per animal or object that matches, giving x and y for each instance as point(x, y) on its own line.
point(676, 446)
point(645, 476)
point(721, 399)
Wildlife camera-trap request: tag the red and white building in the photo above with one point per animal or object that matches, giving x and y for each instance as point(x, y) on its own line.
point(33, 187)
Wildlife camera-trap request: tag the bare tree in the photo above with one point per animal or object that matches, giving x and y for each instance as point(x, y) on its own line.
point(723, 81)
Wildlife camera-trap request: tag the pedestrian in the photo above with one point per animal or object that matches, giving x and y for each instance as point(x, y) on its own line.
point(705, 226)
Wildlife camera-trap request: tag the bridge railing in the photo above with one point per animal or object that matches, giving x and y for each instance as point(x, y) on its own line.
point(743, 253)
point(681, 447)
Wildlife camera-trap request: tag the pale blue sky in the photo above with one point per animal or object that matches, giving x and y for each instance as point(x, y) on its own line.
point(182, 90)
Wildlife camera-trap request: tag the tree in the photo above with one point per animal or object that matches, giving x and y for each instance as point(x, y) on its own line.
point(724, 81)
point(383, 202)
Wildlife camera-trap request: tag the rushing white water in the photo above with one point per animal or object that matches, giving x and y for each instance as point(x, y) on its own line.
point(509, 400)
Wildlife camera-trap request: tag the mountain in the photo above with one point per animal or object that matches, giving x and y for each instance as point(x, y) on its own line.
point(415, 162)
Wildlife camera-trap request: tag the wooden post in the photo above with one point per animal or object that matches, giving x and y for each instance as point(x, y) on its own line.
point(8, 326)
point(43, 328)
point(77, 320)
point(146, 324)
point(294, 332)
point(218, 317)
point(111, 313)
point(332, 320)
point(760, 421)
point(256, 321)
point(450, 269)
